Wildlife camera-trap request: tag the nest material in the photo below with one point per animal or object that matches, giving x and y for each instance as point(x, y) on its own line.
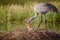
point(24, 34)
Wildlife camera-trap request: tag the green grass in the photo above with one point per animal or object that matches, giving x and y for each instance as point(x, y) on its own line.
point(15, 17)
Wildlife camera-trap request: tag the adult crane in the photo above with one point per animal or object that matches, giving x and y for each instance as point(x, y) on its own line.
point(42, 8)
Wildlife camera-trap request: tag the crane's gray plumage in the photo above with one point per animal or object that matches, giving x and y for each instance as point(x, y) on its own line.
point(42, 8)
point(52, 8)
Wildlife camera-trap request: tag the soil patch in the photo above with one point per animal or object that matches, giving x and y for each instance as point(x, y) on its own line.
point(24, 34)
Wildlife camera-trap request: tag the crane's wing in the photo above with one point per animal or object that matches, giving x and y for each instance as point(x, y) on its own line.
point(52, 8)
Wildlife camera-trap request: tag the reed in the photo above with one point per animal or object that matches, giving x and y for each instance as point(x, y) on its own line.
point(15, 16)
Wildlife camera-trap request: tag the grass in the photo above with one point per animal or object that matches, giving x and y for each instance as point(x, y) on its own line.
point(15, 17)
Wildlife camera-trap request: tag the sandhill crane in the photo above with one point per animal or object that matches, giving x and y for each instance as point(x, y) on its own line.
point(42, 8)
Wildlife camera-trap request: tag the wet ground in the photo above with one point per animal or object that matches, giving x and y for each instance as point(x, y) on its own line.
point(24, 34)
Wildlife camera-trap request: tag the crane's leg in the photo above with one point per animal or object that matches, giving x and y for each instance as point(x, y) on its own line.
point(45, 21)
point(39, 22)
point(58, 21)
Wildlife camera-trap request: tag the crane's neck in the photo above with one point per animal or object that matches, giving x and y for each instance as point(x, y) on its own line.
point(32, 18)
